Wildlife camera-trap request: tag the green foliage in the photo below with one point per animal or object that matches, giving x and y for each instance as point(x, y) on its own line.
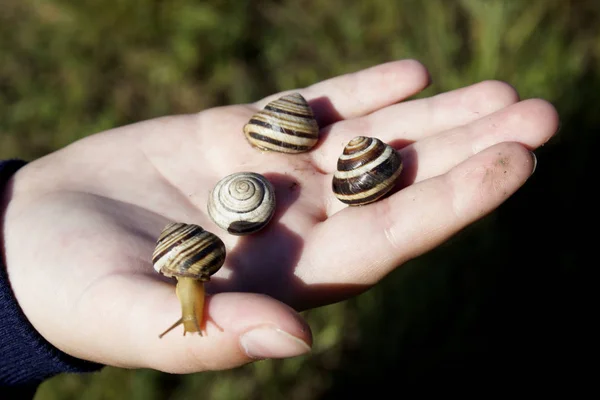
point(69, 69)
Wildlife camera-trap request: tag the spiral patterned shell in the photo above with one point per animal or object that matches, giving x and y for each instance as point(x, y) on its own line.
point(242, 203)
point(184, 250)
point(286, 125)
point(366, 171)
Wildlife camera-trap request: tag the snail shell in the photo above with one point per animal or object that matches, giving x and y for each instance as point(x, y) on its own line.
point(366, 171)
point(184, 250)
point(286, 125)
point(242, 203)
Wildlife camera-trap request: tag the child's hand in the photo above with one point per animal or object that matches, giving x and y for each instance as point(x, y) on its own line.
point(81, 223)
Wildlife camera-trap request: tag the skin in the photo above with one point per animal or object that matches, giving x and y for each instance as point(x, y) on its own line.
point(80, 224)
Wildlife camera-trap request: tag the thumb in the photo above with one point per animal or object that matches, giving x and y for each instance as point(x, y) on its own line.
point(240, 328)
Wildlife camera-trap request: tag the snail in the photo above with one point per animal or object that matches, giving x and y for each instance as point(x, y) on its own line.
point(366, 171)
point(285, 125)
point(190, 254)
point(242, 203)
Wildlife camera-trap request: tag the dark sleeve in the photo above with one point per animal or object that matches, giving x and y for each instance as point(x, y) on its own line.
point(26, 358)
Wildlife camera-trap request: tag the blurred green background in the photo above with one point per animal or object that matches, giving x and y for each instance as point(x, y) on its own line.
point(504, 302)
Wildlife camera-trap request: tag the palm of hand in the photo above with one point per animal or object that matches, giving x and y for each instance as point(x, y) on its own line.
point(91, 212)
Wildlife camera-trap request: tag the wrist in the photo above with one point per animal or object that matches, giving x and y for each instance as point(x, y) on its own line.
point(26, 357)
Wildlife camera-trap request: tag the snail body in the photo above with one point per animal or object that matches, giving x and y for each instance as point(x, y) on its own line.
point(242, 203)
point(366, 171)
point(190, 254)
point(285, 125)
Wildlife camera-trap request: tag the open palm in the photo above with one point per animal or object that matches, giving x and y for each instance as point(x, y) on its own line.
point(82, 222)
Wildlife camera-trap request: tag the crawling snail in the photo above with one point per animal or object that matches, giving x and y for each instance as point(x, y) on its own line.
point(242, 203)
point(366, 171)
point(190, 254)
point(285, 125)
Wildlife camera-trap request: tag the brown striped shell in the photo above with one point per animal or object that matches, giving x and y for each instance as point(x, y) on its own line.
point(366, 171)
point(285, 125)
point(242, 203)
point(185, 250)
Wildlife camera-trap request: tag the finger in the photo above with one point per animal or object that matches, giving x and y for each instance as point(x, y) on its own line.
point(531, 123)
point(417, 119)
point(425, 117)
point(359, 93)
point(240, 328)
point(380, 236)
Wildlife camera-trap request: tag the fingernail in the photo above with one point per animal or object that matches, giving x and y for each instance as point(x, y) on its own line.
point(268, 342)
point(534, 158)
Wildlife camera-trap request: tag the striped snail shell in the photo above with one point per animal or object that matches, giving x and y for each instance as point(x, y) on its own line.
point(366, 171)
point(285, 125)
point(184, 250)
point(190, 254)
point(242, 203)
